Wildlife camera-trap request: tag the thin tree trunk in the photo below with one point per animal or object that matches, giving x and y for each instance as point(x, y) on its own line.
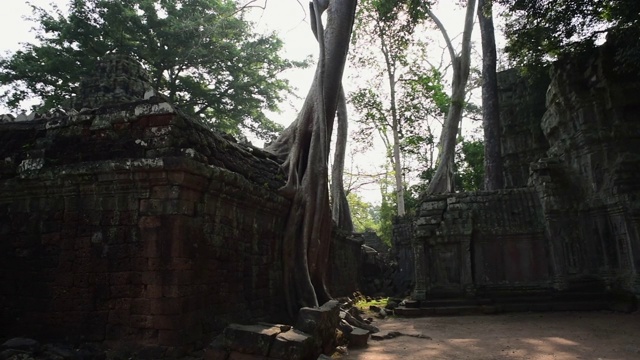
point(340, 206)
point(443, 179)
point(395, 128)
point(493, 177)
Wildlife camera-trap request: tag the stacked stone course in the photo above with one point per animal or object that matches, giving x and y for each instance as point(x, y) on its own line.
point(158, 249)
point(130, 222)
point(570, 222)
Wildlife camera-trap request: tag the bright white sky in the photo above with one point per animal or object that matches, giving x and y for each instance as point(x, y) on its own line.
point(286, 17)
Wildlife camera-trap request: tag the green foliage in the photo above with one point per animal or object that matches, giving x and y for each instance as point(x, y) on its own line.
point(364, 304)
point(470, 165)
point(541, 30)
point(387, 10)
point(201, 53)
point(363, 214)
point(469, 171)
point(388, 211)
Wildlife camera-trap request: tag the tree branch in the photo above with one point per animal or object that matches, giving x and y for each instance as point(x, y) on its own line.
point(249, 5)
point(445, 35)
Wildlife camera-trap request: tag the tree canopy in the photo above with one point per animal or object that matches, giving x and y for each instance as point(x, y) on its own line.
point(387, 46)
point(201, 53)
point(540, 30)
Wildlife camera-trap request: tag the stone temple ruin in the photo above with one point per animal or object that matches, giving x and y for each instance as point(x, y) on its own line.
point(125, 221)
point(565, 234)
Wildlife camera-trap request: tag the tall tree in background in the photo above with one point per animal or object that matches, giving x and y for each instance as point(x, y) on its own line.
point(443, 179)
point(490, 108)
point(304, 147)
point(201, 53)
point(384, 34)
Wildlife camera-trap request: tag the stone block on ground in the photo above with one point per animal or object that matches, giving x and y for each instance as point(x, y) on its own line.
point(358, 338)
point(321, 323)
point(345, 327)
point(293, 345)
point(250, 339)
point(358, 322)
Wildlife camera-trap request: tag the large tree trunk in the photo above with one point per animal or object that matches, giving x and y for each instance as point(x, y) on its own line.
point(442, 181)
point(305, 148)
point(493, 177)
point(340, 206)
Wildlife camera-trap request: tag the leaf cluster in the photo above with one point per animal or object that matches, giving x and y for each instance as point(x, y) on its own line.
point(201, 53)
point(364, 215)
point(539, 31)
point(468, 170)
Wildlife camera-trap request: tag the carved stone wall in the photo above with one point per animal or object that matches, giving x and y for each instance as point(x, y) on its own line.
point(522, 104)
point(131, 223)
point(402, 252)
point(119, 226)
point(589, 182)
point(345, 270)
point(472, 246)
point(576, 226)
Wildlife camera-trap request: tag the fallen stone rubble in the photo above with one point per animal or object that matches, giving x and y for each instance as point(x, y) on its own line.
point(319, 332)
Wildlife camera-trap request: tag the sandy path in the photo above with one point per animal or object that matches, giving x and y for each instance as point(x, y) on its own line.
point(536, 336)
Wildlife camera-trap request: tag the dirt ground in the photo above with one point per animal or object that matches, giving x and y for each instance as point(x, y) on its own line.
point(536, 336)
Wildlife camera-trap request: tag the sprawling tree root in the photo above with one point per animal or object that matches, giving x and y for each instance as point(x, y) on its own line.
point(304, 146)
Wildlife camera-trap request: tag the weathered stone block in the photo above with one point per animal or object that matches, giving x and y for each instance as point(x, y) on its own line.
point(321, 323)
point(433, 205)
point(293, 345)
point(358, 337)
point(250, 339)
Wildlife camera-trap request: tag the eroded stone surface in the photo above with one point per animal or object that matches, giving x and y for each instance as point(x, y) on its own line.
point(321, 323)
point(293, 344)
point(358, 338)
point(250, 339)
point(572, 224)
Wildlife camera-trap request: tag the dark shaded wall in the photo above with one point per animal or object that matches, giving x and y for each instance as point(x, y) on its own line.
point(127, 225)
point(483, 242)
point(522, 105)
point(589, 183)
point(345, 270)
point(402, 252)
point(572, 222)
point(372, 240)
point(129, 222)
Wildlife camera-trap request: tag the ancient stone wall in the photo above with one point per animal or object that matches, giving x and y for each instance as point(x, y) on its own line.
point(476, 242)
point(589, 181)
point(574, 222)
point(372, 240)
point(345, 270)
point(522, 104)
point(135, 224)
point(402, 253)
point(128, 222)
